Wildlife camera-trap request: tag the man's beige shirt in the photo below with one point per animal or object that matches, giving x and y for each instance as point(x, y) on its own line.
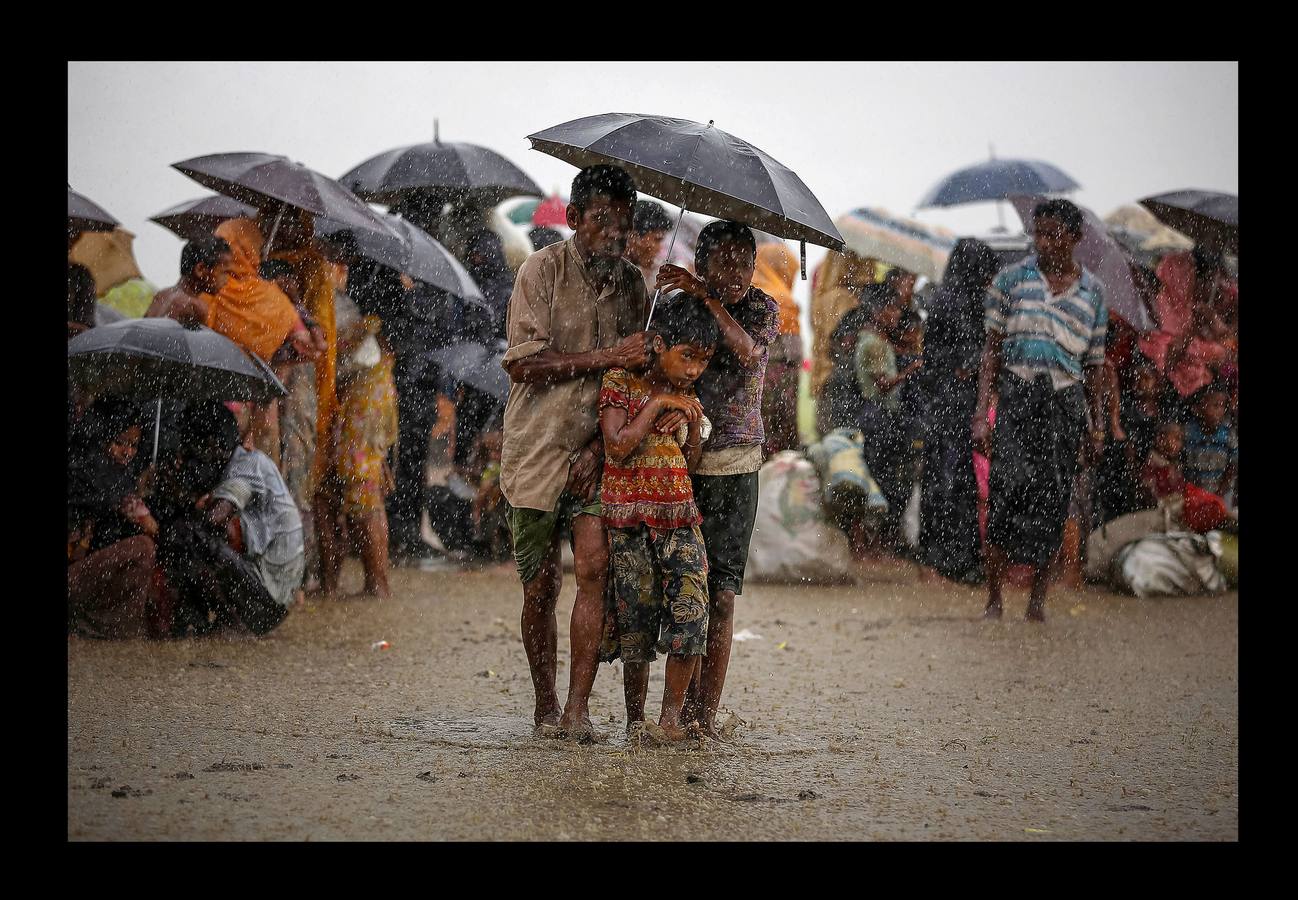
point(555, 307)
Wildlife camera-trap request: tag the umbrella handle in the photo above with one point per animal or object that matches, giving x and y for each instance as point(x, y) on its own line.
point(670, 247)
point(265, 250)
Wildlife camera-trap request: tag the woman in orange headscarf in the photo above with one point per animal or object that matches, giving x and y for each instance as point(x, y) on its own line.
point(255, 314)
point(776, 269)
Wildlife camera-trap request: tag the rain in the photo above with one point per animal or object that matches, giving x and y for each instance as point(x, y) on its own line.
point(573, 452)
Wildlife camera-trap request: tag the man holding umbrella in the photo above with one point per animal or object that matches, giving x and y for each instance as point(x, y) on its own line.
point(576, 309)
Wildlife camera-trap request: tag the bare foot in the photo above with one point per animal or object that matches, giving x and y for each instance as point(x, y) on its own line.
point(546, 716)
point(583, 732)
point(993, 610)
point(673, 731)
point(1036, 612)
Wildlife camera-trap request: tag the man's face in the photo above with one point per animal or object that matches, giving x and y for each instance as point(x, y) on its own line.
point(729, 271)
point(642, 249)
point(682, 364)
point(1054, 242)
point(602, 227)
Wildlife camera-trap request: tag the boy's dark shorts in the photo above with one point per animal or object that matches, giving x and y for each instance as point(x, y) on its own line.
point(659, 591)
point(729, 507)
point(533, 530)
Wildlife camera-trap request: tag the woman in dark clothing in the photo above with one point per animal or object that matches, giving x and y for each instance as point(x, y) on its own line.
point(953, 342)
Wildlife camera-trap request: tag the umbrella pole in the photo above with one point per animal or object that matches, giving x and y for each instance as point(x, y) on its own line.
point(670, 247)
point(265, 250)
point(157, 427)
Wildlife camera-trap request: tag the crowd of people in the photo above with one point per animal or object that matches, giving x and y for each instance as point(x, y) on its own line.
point(1012, 399)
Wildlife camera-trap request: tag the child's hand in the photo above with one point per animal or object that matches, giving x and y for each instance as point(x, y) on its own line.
point(672, 277)
point(690, 407)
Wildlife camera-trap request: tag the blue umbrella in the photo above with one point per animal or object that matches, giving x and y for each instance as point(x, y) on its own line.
point(998, 179)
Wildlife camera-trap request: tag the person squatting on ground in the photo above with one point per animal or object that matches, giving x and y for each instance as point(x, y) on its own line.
point(725, 480)
point(577, 309)
point(659, 562)
point(1046, 321)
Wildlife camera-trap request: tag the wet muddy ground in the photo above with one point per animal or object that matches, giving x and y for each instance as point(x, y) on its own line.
point(883, 711)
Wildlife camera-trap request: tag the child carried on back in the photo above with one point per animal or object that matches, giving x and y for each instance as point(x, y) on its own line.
point(659, 562)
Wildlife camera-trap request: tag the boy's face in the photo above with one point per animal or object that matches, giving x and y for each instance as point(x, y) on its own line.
point(642, 249)
point(1169, 443)
point(1212, 409)
point(1054, 242)
point(603, 226)
point(124, 446)
point(729, 271)
point(682, 364)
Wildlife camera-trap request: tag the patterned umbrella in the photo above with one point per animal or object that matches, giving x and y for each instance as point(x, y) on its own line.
point(905, 243)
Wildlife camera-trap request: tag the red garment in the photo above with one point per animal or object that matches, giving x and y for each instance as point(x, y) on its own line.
point(1166, 476)
point(652, 485)
point(1203, 511)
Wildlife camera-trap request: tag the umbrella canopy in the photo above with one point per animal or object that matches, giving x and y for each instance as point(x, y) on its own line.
point(108, 256)
point(1137, 227)
point(696, 167)
point(196, 218)
point(1105, 259)
point(910, 245)
point(412, 251)
point(86, 215)
point(477, 366)
point(446, 172)
point(1209, 217)
point(998, 179)
point(153, 358)
point(267, 182)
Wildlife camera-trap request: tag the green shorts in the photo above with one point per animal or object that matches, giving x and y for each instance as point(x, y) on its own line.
point(533, 530)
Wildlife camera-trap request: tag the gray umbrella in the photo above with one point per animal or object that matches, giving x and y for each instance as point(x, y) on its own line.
point(86, 215)
point(1210, 217)
point(196, 218)
point(270, 182)
point(475, 365)
point(998, 179)
point(441, 173)
point(412, 251)
point(696, 167)
point(154, 358)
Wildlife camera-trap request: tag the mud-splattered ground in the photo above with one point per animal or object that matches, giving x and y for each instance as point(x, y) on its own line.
point(886, 711)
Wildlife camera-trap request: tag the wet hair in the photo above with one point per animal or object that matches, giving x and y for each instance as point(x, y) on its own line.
point(682, 319)
point(275, 268)
point(203, 251)
point(609, 181)
point(199, 422)
point(650, 216)
point(714, 234)
point(970, 268)
point(895, 275)
point(1063, 211)
point(81, 295)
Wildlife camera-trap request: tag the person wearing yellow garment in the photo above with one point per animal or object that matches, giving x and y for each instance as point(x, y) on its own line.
point(776, 270)
point(836, 289)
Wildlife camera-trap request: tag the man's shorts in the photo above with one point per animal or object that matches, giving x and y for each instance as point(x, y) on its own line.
point(660, 591)
point(729, 507)
point(533, 530)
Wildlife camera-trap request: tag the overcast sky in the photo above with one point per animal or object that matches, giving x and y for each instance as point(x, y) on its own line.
point(858, 134)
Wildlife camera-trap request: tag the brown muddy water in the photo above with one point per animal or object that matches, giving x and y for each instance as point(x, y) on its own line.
point(884, 711)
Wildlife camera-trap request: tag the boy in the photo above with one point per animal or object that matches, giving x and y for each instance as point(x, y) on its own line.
point(1211, 451)
point(1162, 476)
point(725, 480)
point(660, 565)
point(204, 270)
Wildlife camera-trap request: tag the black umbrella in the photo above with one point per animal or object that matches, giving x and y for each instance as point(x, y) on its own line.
point(475, 365)
point(441, 173)
point(196, 218)
point(269, 182)
point(696, 167)
point(86, 215)
point(412, 251)
point(153, 358)
point(1210, 217)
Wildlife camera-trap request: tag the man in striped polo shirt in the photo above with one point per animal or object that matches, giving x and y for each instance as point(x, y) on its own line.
point(1045, 321)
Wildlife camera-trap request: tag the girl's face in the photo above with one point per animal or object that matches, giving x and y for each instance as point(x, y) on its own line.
point(682, 364)
point(123, 447)
point(1169, 443)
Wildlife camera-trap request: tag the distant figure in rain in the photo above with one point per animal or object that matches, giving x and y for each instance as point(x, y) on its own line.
point(777, 269)
point(1046, 321)
point(205, 266)
point(577, 309)
point(542, 236)
point(649, 227)
point(81, 300)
